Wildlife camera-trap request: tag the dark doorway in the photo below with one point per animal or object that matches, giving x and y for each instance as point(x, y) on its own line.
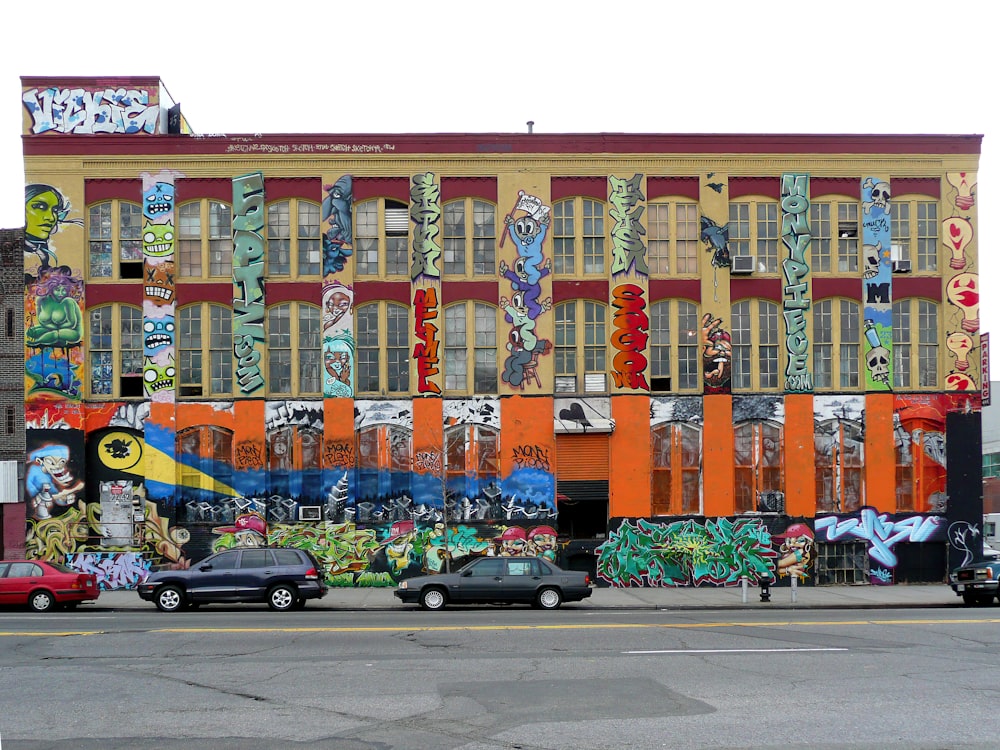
point(583, 509)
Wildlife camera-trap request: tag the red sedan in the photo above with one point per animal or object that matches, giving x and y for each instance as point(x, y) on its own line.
point(43, 585)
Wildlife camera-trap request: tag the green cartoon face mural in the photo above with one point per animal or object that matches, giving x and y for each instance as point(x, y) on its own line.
point(158, 377)
point(158, 239)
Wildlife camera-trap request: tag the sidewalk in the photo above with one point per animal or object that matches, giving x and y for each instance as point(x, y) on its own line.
point(687, 598)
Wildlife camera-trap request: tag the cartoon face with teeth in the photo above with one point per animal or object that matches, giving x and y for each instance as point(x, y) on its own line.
point(159, 286)
point(157, 200)
point(158, 377)
point(158, 334)
point(158, 240)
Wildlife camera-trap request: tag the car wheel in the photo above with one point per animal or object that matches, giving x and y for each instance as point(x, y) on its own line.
point(169, 599)
point(433, 597)
point(549, 598)
point(282, 598)
point(42, 601)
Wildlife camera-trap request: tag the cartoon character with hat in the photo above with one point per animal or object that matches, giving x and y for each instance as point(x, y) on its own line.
point(250, 530)
point(542, 542)
point(513, 542)
point(795, 551)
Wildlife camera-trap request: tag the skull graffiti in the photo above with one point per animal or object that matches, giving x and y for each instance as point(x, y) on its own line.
point(878, 364)
point(873, 254)
point(881, 195)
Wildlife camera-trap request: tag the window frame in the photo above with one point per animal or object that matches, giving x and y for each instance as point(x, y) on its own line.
point(207, 235)
point(672, 346)
point(832, 485)
point(838, 342)
point(657, 224)
point(908, 208)
point(116, 239)
point(582, 351)
point(578, 237)
point(673, 472)
point(840, 252)
point(755, 470)
point(475, 314)
point(205, 350)
point(748, 343)
point(471, 459)
point(304, 240)
point(211, 466)
point(304, 323)
point(746, 235)
point(117, 351)
point(925, 337)
point(466, 244)
point(363, 240)
point(382, 347)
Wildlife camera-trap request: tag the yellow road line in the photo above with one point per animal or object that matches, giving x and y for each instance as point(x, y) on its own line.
point(43, 634)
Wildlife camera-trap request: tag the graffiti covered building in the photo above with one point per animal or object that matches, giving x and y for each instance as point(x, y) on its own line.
point(669, 359)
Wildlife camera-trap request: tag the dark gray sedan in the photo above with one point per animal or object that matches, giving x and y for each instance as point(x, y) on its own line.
point(498, 580)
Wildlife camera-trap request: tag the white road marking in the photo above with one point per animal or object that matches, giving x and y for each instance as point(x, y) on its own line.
point(732, 650)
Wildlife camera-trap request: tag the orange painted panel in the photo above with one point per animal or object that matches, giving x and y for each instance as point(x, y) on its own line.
point(249, 440)
point(198, 414)
point(526, 421)
point(880, 453)
point(338, 433)
point(800, 455)
point(631, 449)
point(428, 430)
point(717, 451)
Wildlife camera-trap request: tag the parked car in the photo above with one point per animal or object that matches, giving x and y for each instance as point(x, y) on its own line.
point(498, 580)
point(977, 582)
point(44, 585)
point(283, 577)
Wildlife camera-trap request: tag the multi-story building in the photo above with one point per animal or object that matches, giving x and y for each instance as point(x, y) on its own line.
point(11, 393)
point(673, 359)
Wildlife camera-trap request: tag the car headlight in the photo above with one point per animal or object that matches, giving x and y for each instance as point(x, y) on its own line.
point(402, 585)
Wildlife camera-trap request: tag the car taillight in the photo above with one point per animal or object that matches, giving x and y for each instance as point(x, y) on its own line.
point(586, 579)
point(83, 582)
point(311, 574)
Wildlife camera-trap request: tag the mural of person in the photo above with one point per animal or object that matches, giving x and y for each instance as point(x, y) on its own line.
point(49, 482)
point(542, 542)
point(338, 238)
point(795, 553)
point(58, 319)
point(513, 542)
point(249, 530)
point(45, 210)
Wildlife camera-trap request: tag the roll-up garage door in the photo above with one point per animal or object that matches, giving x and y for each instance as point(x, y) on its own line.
point(582, 457)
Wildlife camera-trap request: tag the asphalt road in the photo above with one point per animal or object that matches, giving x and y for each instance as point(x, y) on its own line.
point(488, 678)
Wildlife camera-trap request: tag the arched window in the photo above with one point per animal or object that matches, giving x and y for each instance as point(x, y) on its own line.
point(840, 449)
point(470, 253)
point(915, 337)
point(673, 232)
point(470, 345)
point(205, 350)
point(383, 358)
point(115, 329)
point(293, 349)
point(294, 469)
point(293, 241)
point(755, 326)
point(471, 463)
point(758, 462)
point(114, 233)
point(204, 463)
point(205, 239)
point(579, 239)
point(381, 227)
point(921, 477)
point(836, 345)
point(834, 227)
point(676, 469)
point(581, 347)
point(674, 343)
point(915, 231)
point(384, 468)
point(754, 231)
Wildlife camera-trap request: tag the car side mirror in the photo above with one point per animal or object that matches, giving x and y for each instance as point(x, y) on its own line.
point(205, 567)
point(466, 574)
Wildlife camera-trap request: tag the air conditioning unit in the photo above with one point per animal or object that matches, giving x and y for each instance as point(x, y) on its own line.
point(901, 266)
point(311, 513)
point(742, 264)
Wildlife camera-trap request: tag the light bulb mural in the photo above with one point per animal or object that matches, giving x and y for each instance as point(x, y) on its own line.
point(965, 185)
point(959, 343)
point(958, 234)
point(963, 293)
point(957, 237)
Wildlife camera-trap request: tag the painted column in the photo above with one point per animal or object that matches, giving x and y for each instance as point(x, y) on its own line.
point(159, 330)
point(339, 374)
point(877, 284)
point(248, 283)
point(961, 282)
point(526, 285)
point(797, 300)
point(425, 284)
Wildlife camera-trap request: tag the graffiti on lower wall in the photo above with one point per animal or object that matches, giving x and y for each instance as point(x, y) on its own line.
point(882, 531)
point(113, 570)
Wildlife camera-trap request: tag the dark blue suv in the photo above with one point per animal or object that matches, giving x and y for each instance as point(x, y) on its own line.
point(283, 577)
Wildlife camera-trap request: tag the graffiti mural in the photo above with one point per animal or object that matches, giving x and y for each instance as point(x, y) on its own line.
point(881, 531)
point(425, 213)
point(628, 251)
point(839, 438)
point(795, 553)
point(795, 236)
point(958, 233)
point(158, 304)
point(338, 237)
point(294, 439)
point(79, 110)
point(248, 281)
point(113, 570)
point(527, 225)
point(717, 552)
point(338, 340)
point(876, 205)
point(425, 350)
point(716, 355)
point(716, 239)
point(630, 337)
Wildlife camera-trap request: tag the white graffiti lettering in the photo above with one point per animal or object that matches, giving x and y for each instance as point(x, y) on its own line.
point(98, 111)
point(880, 531)
point(114, 570)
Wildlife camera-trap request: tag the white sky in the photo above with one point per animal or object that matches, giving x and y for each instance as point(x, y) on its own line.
point(696, 66)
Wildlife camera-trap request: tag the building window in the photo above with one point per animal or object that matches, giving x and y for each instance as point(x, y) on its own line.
point(758, 317)
point(904, 313)
point(674, 336)
point(114, 231)
point(753, 230)
point(921, 234)
point(115, 328)
point(205, 334)
point(840, 447)
point(197, 250)
point(757, 455)
point(383, 364)
point(991, 465)
point(293, 349)
point(384, 469)
point(471, 461)
point(294, 470)
point(381, 227)
point(919, 478)
point(836, 335)
point(204, 461)
point(466, 255)
point(293, 239)
point(480, 357)
point(834, 244)
point(673, 231)
point(578, 237)
point(581, 347)
point(676, 469)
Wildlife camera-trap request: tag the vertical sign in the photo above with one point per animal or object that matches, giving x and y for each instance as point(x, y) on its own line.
point(984, 353)
point(877, 284)
point(248, 282)
point(795, 236)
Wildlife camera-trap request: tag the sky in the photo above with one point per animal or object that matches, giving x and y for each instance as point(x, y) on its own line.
point(644, 66)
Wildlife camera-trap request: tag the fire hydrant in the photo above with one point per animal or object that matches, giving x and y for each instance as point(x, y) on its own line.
point(765, 589)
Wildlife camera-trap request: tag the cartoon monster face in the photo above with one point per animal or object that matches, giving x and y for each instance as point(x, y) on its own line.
point(158, 239)
point(158, 378)
point(526, 229)
point(157, 335)
point(158, 200)
point(159, 285)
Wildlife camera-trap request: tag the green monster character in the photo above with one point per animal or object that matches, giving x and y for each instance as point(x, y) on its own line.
point(158, 239)
point(59, 322)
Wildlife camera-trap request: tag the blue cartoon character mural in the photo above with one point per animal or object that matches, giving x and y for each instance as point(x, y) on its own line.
point(49, 482)
point(339, 236)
